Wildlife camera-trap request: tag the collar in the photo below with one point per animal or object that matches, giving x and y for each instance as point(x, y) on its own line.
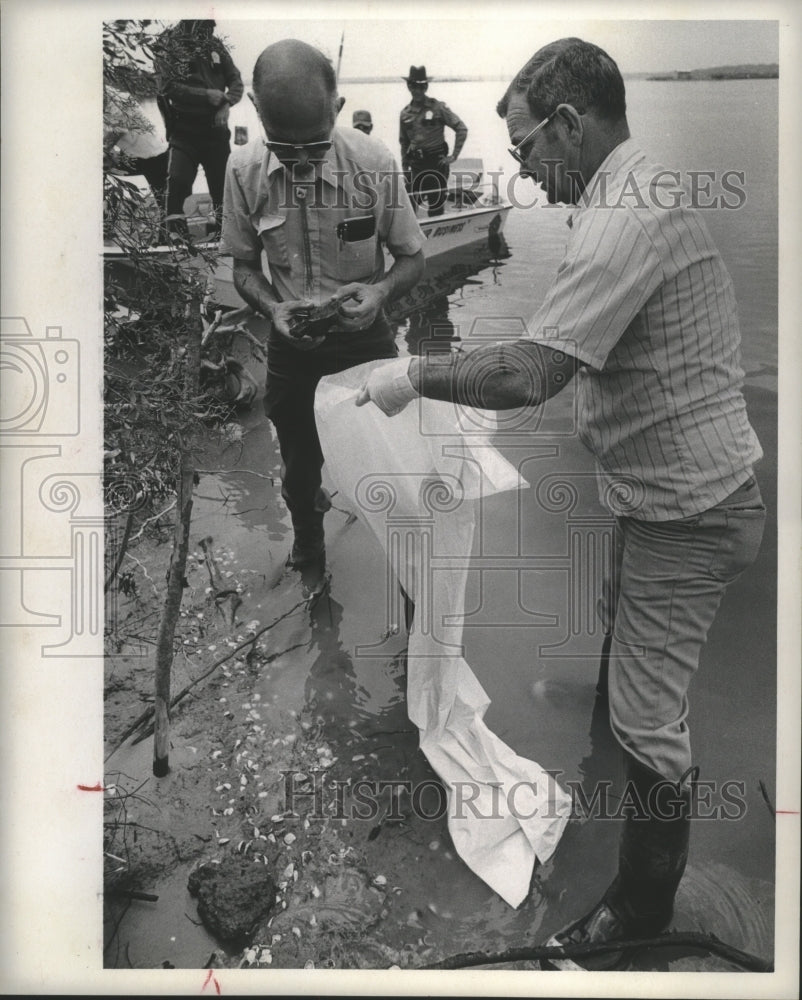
point(428, 102)
point(622, 157)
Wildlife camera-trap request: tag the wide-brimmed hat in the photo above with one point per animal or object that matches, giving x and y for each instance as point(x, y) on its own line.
point(362, 118)
point(417, 74)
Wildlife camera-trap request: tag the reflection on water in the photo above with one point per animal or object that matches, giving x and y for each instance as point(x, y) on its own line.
point(423, 315)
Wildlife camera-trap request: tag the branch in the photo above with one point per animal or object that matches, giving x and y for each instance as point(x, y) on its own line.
point(155, 517)
point(115, 569)
point(249, 472)
point(148, 713)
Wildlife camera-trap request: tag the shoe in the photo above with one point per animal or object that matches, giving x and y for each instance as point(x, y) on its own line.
point(602, 925)
point(652, 854)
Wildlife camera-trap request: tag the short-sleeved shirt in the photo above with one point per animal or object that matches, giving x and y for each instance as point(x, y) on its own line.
point(424, 127)
point(645, 301)
point(298, 226)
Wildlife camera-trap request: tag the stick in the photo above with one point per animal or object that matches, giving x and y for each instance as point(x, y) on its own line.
point(177, 573)
point(340, 56)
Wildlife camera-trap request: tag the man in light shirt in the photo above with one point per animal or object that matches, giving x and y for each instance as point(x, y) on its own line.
point(642, 316)
point(321, 204)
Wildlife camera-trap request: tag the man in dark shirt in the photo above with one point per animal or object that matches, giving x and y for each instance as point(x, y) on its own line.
point(197, 83)
point(424, 151)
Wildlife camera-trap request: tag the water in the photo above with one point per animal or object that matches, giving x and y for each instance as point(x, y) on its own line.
point(716, 126)
point(543, 702)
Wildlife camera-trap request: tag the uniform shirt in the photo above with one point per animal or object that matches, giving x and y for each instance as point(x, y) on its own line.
point(187, 66)
point(644, 300)
point(424, 127)
point(262, 211)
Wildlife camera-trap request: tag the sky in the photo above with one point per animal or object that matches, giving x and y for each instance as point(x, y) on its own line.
point(449, 44)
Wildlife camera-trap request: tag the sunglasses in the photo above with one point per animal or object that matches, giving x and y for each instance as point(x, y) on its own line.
point(516, 152)
point(287, 149)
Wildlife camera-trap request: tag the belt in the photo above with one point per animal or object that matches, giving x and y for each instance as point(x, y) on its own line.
point(427, 154)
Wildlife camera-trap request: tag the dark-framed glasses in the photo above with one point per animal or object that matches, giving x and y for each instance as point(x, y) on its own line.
point(286, 150)
point(516, 152)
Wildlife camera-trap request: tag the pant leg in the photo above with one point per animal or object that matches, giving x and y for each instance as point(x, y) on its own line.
point(154, 170)
point(289, 402)
point(293, 416)
point(215, 153)
point(673, 576)
point(429, 185)
point(182, 169)
point(416, 183)
point(438, 188)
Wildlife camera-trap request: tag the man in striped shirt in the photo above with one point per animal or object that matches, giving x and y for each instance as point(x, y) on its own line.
point(642, 315)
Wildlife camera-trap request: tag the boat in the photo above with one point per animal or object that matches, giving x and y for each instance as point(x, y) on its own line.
point(474, 214)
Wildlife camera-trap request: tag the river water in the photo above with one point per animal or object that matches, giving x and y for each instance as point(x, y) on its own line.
point(540, 675)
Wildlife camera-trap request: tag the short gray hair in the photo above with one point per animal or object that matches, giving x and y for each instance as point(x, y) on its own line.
point(569, 71)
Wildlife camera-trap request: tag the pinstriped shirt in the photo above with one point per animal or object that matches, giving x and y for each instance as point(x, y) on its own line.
point(644, 300)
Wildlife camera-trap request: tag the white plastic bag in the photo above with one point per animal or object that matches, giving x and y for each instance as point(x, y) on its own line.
point(415, 478)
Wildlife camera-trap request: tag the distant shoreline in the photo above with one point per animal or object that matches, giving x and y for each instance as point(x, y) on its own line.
point(757, 71)
point(717, 73)
point(141, 83)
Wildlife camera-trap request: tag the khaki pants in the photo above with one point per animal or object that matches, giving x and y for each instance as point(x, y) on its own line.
point(672, 576)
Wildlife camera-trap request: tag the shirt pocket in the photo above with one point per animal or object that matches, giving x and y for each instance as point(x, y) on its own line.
point(356, 261)
point(273, 232)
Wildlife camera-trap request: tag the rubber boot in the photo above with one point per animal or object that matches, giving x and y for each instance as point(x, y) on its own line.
point(308, 547)
point(653, 851)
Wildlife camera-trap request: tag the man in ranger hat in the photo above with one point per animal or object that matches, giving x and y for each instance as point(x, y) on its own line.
point(361, 120)
point(424, 151)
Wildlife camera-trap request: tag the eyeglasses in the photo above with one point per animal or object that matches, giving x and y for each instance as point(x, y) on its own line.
point(285, 150)
point(515, 151)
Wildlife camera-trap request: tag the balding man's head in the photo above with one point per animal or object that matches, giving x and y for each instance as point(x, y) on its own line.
point(295, 90)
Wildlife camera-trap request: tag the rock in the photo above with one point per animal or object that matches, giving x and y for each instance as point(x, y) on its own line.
point(233, 897)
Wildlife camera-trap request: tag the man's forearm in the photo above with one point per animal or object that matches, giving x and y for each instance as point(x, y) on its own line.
point(235, 88)
point(254, 288)
point(403, 275)
point(196, 96)
point(460, 135)
point(495, 377)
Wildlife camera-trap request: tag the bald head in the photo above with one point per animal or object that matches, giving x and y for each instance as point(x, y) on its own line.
point(295, 88)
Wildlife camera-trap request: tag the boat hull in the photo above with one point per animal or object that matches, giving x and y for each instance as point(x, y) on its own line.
point(448, 232)
point(454, 230)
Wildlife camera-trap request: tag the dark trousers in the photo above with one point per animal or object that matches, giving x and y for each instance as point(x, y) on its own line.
point(301, 454)
point(154, 170)
point(188, 151)
point(427, 180)
point(290, 405)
